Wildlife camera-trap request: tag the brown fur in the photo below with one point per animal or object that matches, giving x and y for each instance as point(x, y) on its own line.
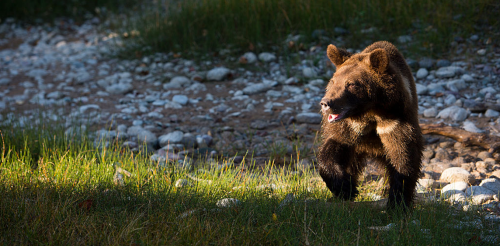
point(372, 104)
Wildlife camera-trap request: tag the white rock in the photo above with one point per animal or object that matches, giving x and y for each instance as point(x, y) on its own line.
point(430, 112)
point(250, 57)
point(143, 135)
point(309, 72)
point(488, 89)
point(470, 127)
point(180, 99)
point(453, 188)
point(454, 113)
point(457, 197)
point(120, 88)
point(421, 89)
point(267, 57)
point(468, 78)
point(456, 174)
point(456, 85)
point(218, 74)
point(171, 138)
point(491, 113)
point(479, 194)
point(422, 73)
point(182, 183)
point(481, 52)
point(256, 88)
point(450, 99)
point(491, 184)
point(180, 81)
point(227, 203)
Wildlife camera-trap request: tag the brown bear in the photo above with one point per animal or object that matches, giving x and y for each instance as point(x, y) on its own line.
point(370, 111)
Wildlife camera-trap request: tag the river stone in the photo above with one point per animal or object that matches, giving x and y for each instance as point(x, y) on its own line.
point(182, 183)
point(249, 58)
point(180, 81)
point(227, 203)
point(430, 112)
point(456, 174)
point(310, 118)
point(120, 88)
point(479, 194)
point(491, 184)
point(422, 73)
point(453, 188)
point(143, 135)
point(421, 89)
point(256, 88)
point(180, 99)
point(267, 57)
point(309, 72)
point(171, 138)
point(218, 74)
point(491, 113)
point(454, 113)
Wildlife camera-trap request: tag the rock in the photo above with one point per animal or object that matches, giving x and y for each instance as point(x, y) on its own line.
point(456, 197)
point(430, 112)
point(180, 81)
point(443, 63)
point(421, 89)
point(454, 113)
point(422, 73)
point(483, 155)
point(143, 135)
point(218, 74)
point(479, 194)
point(120, 88)
point(267, 57)
point(456, 174)
point(171, 138)
point(450, 100)
point(248, 58)
point(448, 72)
point(426, 183)
point(256, 88)
point(227, 203)
point(481, 52)
point(189, 140)
point(453, 188)
point(456, 85)
point(491, 113)
point(310, 118)
point(471, 127)
point(4, 81)
point(488, 89)
point(180, 99)
point(491, 184)
point(182, 183)
point(442, 154)
point(309, 72)
point(468, 78)
point(426, 63)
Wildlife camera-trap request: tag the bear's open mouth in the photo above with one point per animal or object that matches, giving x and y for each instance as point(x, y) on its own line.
point(335, 117)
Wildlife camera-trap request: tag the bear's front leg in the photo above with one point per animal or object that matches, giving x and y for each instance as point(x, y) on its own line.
point(403, 153)
point(339, 169)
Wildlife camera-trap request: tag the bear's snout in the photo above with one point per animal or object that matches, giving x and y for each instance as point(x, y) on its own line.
point(325, 105)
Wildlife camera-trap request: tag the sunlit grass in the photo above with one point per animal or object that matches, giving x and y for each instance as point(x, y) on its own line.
point(71, 194)
point(211, 25)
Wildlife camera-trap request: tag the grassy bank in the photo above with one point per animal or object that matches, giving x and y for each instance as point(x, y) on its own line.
point(60, 190)
point(46, 10)
point(211, 25)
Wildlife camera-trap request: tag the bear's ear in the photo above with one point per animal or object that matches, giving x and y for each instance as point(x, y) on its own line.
point(378, 60)
point(337, 56)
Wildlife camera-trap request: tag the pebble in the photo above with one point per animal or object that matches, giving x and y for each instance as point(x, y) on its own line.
point(267, 57)
point(143, 135)
point(228, 203)
point(180, 183)
point(249, 58)
point(218, 74)
point(171, 138)
point(453, 188)
point(491, 184)
point(180, 99)
point(454, 113)
point(430, 112)
point(456, 174)
point(422, 73)
point(471, 127)
point(309, 72)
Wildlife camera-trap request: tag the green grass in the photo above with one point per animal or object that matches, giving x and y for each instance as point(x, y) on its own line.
point(69, 197)
point(211, 25)
point(30, 10)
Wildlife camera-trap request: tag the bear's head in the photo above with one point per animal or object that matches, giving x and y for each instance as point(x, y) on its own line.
point(353, 88)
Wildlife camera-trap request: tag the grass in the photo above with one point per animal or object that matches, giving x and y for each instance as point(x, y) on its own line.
point(260, 25)
point(69, 195)
point(47, 10)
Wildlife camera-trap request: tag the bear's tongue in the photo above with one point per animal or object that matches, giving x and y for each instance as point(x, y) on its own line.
point(333, 117)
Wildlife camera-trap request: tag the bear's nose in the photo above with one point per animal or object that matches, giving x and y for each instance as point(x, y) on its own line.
point(324, 104)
